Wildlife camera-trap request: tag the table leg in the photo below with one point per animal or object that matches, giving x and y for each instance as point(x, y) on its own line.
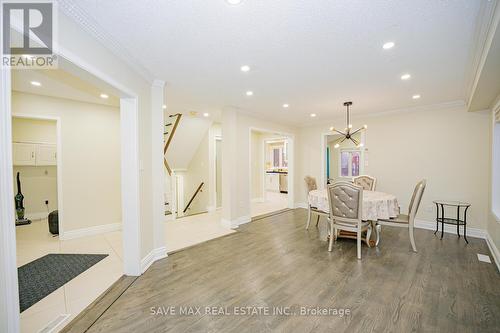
point(465, 225)
point(437, 219)
point(442, 221)
point(458, 221)
point(378, 229)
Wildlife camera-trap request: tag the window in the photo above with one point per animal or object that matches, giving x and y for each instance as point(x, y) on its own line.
point(279, 156)
point(350, 162)
point(276, 157)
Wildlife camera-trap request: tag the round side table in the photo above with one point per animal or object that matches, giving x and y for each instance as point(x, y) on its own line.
point(440, 204)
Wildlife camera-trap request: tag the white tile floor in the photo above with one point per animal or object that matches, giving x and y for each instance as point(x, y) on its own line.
point(34, 241)
point(194, 229)
point(274, 202)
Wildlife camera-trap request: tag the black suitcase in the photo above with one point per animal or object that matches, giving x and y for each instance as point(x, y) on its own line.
point(54, 222)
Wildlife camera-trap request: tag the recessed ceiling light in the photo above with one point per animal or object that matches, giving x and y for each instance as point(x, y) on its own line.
point(417, 96)
point(164, 106)
point(405, 77)
point(286, 106)
point(36, 83)
point(245, 68)
point(313, 115)
point(104, 96)
point(249, 93)
point(233, 2)
point(206, 114)
point(388, 45)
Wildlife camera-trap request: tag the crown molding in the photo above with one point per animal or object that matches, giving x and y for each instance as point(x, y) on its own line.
point(90, 25)
point(458, 104)
point(488, 21)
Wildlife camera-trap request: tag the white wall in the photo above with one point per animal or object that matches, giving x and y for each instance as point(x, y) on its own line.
point(38, 183)
point(76, 41)
point(236, 171)
point(447, 146)
point(198, 171)
point(90, 136)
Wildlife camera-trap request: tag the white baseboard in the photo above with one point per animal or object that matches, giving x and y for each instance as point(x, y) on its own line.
point(37, 216)
point(450, 229)
point(233, 224)
point(153, 256)
point(494, 250)
point(256, 200)
point(98, 229)
point(301, 205)
point(211, 209)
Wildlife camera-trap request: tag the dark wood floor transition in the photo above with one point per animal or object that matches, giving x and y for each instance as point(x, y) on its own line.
point(274, 276)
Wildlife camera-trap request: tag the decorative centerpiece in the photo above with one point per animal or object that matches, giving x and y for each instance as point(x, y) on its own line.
point(19, 198)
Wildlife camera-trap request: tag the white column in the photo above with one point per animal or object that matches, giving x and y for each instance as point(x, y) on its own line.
point(9, 295)
point(157, 166)
point(229, 169)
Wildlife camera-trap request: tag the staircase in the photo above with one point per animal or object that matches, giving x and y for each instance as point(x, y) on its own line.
point(168, 135)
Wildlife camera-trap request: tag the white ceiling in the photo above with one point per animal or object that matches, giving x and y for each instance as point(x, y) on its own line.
point(312, 54)
point(62, 84)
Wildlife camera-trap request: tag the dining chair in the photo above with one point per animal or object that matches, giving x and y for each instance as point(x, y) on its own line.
point(346, 207)
point(311, 186)
point(366, 182)
point(407, 221)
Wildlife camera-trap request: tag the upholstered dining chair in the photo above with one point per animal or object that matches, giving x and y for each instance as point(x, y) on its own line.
point(311, 186)
point(407, 221)
point(346, 207)
point(366, 182)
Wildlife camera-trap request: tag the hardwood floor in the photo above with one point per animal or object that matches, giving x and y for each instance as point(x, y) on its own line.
point(275, 262)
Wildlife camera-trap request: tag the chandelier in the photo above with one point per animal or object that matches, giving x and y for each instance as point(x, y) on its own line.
point(348, 133)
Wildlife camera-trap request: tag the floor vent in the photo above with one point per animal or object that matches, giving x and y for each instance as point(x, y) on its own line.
point(51, 327)
point(484, 258)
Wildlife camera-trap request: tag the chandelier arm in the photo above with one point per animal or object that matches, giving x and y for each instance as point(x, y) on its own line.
point(341, 133)
point(345, 138)
point(355, 141)
point(356, 131)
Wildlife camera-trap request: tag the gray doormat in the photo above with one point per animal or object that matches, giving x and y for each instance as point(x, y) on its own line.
point(44, 275)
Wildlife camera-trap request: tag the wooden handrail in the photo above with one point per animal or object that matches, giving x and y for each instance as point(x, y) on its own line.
point(194, 196)
point(169, 140)
point(171, 136)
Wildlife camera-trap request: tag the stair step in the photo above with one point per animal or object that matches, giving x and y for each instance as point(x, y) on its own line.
point(169, 124)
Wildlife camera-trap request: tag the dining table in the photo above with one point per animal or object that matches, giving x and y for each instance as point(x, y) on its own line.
point(376, 206)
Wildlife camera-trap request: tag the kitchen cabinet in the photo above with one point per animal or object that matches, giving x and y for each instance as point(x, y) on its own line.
point(23, 153)
point(34, 154)
point(273, 182)
point(46, 154)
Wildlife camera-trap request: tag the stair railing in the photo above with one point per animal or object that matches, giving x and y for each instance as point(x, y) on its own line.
point(198, 190)
point(178, 117)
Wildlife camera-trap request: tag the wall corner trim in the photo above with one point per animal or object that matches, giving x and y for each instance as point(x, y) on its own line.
point(494, 250)
point(152, 257)
point(233, 224)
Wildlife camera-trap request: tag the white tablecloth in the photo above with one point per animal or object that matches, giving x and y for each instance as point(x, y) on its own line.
point(376, 205)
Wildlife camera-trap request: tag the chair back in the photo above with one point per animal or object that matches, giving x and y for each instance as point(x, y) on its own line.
point(310, 183)
point(416, 198)
point(366, 182)
point(346, 200)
